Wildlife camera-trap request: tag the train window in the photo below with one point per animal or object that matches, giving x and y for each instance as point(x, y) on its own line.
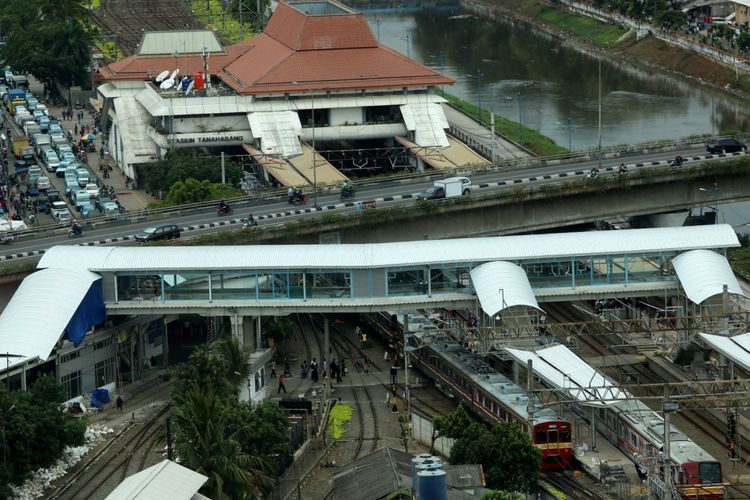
point(541, 437)
point(634, 439)
point(552, 436)
point(710, 472)
point(564, 435)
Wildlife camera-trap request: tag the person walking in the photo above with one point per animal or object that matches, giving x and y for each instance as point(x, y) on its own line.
point(281, 384)
point(394, 374)
point(273, 369)
point(119, 403)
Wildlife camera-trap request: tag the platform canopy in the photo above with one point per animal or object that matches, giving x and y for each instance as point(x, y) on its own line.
point(428, 122)
point(500, 285)
point(167, 480)
point(703, 274)
point(736, 348)
point(278, 132)
point(562, 369)
point(40, 311)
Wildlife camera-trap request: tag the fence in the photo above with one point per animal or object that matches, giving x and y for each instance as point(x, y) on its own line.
point(421, 428)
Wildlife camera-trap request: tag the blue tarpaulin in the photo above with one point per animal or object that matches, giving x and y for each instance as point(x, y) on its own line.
point(99, 397)
point(89, 313)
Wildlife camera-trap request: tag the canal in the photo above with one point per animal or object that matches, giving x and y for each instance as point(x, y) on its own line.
point(531, 77)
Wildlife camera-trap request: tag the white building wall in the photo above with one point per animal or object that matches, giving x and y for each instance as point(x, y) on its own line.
point(96, 349)
point(216, 123)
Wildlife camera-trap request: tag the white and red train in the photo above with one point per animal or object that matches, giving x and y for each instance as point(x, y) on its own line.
point(630, 425)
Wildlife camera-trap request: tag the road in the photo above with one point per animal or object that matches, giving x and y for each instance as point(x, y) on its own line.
point(275, 210)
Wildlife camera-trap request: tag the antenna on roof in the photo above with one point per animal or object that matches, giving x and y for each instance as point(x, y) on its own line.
point(161, 76)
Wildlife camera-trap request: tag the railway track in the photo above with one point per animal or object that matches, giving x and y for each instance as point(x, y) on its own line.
point(571, 487)
point(125, 455)
point(706, 425)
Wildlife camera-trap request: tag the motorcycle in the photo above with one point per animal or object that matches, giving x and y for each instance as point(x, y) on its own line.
point(75, 233)
point(347, 192)
point(249, 222)
point(226, 210)
point(6, 238)
point(593, 174)
point(676, 162)
point(298, 199)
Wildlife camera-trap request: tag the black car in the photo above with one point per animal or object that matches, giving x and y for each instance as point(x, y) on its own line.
point(728, 145)
point(160, 232)
point(432, 193)
point(53, 195)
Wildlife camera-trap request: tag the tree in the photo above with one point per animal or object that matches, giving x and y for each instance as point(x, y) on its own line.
point(184, 165)
point(509, 460)
point(452, 425)
point(500, 495)
point(206, 371)
point(236, 359)
point(206, 442)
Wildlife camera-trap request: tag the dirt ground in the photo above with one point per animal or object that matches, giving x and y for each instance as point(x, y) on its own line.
point(647, 52)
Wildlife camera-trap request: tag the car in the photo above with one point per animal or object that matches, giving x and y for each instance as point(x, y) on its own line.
point(43, 108)
point(160, 232)
point(92, 189)
point(37, 114)
point(725, 145)
point(59, 207)
point(71, 184)
point(83, 176)
point(64, 148)
point(81, 198)
point(34, 174)
point(43, 205)
point(53, 195)
point(62, 168)
point(43, 183)
point(68, 156)
point(51, 160)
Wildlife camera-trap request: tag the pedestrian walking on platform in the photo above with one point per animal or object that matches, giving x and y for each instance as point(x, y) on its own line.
point(273, 369)
point(394, 374)
point(366, 367)
point(287, 369)
point(119, 403)
point(281, 384)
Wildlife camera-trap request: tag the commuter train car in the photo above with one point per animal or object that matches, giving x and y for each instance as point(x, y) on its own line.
point(639, 432)
point(490, 394)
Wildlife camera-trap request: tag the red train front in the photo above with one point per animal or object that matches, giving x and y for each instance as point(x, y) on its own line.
point(700, 481)
point(554, 440)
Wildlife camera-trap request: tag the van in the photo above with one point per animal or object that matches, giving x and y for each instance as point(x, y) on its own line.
point(56, 140)
point(31, 128)
point(160, 232)
point(51, 160)
point(34, 174)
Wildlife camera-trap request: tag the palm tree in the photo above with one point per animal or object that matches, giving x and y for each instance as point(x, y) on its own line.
point(204, 444)
point(236, 358)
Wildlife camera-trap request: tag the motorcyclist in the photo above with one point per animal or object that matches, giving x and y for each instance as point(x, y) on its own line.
point(290, 194)
point(594, 172)
point(76, 228)
point(622, 169)
point(250, 221)
point(677, 160)
point(346, 189)
point(223, 206)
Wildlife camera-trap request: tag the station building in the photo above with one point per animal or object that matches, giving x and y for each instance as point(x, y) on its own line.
point(317, 73)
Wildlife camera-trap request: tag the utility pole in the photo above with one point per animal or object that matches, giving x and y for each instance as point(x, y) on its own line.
point(314, 158)
point(223, 170)
point(520, 119)
point(492, 135)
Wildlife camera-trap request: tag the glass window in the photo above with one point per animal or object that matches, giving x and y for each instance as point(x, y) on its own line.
point(138, 286)
point(185, 285)
point(564, 435)
point(407, 282)
point(710, 472)
point(72, 384)
point(327, 284)
point(69, 356)
point(104, 372)
point(227, 285)
point(552, 436)
point(540, 436)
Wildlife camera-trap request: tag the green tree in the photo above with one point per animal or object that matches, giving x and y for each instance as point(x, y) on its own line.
point(452, 425)
point(743, 41)
point(500, 495)
point(236, 359)
point(206, 371)
point(184, 165)
point(509, 460)
point(207, 443)
point(263, 430)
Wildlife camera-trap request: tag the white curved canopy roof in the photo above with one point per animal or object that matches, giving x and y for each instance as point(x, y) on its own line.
point(39, 311)
point(704, 273)
point(736, 348)
point(562, 369)
point(501, 285)
point(379, 255)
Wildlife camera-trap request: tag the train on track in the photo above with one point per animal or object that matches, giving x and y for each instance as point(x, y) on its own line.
point(489, 394)
point(630, 425)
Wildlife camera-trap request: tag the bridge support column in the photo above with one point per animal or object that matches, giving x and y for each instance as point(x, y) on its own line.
point(326, 350)
point(238, 333)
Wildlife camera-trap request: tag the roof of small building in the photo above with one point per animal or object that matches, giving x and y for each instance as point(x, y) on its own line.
point(166, 479)
point(180, 42)
point(306, 46)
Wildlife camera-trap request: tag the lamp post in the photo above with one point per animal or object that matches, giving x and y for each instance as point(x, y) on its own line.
point(315, 172)
point(717, 193)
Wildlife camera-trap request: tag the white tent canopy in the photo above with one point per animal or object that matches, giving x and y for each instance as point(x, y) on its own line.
point(501, 285)
point(703, 274)
point(736, 348)
point(278, 132)
point(428, 122)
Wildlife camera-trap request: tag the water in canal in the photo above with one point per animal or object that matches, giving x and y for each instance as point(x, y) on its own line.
point(528, 76)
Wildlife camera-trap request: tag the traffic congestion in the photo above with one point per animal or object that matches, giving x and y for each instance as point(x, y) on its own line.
point(46, 174)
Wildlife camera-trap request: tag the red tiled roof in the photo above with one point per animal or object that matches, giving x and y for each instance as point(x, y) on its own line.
point(296, 72)
point(147, 67)
point(299, 31)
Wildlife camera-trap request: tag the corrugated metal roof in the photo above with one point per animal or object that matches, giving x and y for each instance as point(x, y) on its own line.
point(736, 348)
point(133, 119)
point(464, 476)
point(163, 480)
point(378, 255)
point(501, 285)
point(704, 273)
point(563, 369)
point(428, 122)
point(179, 42)
point(374, 476)
point(39, 311)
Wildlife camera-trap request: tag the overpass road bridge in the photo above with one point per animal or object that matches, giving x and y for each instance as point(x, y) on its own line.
point(649, 196)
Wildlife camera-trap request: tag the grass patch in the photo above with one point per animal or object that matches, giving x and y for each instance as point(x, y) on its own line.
point(744, 83)
point(532, 140)
point(603, 35)
point(95, 4)
point(20, 267)
point(340, 415)
point(210, 14)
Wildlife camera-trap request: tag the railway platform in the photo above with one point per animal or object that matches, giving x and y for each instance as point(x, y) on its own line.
point(605, 462)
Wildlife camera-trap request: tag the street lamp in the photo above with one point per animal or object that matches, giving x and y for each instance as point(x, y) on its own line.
point(717, 193)
point(315, 171)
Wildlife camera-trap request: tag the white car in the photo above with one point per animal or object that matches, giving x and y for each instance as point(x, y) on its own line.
point(92, 189)
point(43, 183)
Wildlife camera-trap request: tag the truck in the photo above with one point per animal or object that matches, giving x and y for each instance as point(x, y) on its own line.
point(18, 144)
point(447, 188)
point(40, 141)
